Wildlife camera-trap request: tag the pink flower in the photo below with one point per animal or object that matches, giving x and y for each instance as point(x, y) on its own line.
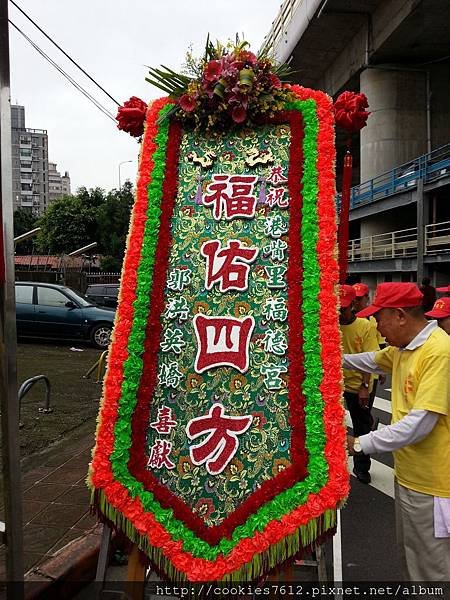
point(187, 103)
point(239, 114)
point(213, 70)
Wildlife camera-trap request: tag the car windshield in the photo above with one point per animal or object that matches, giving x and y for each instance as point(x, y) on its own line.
point(79, 297)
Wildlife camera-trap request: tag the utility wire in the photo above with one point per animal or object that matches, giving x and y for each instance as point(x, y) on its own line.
point(66, 75)
point(65, 53)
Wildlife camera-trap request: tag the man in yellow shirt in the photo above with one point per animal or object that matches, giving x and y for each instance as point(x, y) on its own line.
point(357, 336)
point(441, 312)
point(359, 303)
point(418, 356)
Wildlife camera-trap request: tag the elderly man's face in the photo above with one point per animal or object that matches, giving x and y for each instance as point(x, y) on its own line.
point(391, 324)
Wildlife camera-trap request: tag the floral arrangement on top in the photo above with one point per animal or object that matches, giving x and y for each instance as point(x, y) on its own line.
point(228, 85)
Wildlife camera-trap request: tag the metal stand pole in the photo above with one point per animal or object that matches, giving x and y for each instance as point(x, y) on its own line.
point(102, 564)
point(337, 554)
point(8, 375)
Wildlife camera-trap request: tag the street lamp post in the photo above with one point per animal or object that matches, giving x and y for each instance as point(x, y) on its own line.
point(120, 164)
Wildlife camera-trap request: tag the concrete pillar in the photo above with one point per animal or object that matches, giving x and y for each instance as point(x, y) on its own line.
point(396, 130)
point(422, 212)
point(440, 105)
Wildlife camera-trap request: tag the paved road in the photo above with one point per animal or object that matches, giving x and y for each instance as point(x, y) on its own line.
point(368, 525)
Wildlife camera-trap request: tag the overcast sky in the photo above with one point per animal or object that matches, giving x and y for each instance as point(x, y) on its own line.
point(112, 41)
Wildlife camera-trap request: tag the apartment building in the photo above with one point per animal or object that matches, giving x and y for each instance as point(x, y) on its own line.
point(29, 164)
point(58, 185)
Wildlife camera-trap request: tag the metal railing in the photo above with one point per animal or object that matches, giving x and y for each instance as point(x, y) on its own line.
point(429, 167)
point(26, 387)
point(280, 24)
point(100, 365)
point(394, 244)
point(437, 238)
point(92, 278)
point(401, 243)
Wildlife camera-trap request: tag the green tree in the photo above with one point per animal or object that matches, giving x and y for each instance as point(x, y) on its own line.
point(89, 216)
point(24, 221)
point(67, 224)
point(113, 217)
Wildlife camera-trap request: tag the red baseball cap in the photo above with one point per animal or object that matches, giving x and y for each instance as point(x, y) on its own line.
point(347, 295)
point(361, 289)
point(393, 295)
point(443, 289)
point(440, 310)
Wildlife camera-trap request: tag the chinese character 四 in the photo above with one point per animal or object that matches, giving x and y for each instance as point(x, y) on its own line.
point(222, 341)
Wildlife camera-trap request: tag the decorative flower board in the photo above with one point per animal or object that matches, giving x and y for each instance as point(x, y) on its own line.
point(220, 444)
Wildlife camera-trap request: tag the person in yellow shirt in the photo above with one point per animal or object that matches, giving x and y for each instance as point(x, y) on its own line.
point(359, 303)
point(418, 356)
point(357, 336)
point(441, 312)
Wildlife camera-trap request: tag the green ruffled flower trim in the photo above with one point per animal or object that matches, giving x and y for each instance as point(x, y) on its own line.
point(289, 499)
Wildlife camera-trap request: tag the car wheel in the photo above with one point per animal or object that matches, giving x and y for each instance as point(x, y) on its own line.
point(101, 336)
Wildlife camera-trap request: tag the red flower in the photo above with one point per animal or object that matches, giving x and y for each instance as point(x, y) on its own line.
point(349, 111)
point(239, 114)
point(274, 81)
point(213, 70)
point(187, 103)
point(131, 116)
point(247, 57)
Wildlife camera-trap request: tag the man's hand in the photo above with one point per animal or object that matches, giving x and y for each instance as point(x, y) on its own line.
point(363, 397)
point(350, 442)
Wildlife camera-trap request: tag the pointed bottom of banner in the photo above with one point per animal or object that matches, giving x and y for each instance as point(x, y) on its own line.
point(274, 559)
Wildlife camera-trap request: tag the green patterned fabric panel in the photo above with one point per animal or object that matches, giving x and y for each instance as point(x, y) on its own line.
point(261, 391)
